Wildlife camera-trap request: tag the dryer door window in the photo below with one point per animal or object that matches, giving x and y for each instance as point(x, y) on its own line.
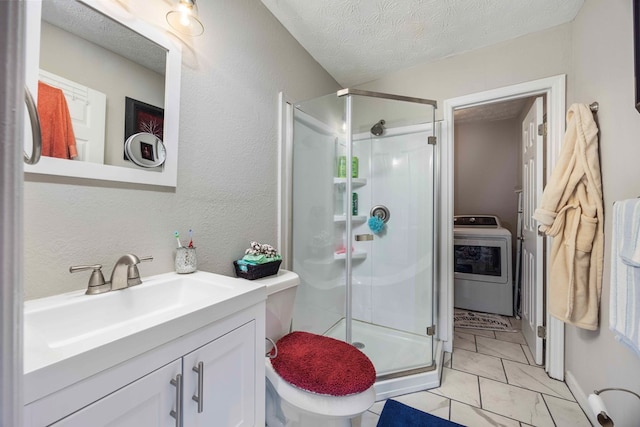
point(482, 260)
point(485, 260)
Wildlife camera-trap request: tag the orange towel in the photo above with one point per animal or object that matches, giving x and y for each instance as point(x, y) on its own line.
point(57, 131)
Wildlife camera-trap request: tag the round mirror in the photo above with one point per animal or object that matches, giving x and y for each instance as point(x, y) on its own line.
point(145, 150)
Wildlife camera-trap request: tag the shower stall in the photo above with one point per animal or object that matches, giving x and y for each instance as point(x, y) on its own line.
point(364, 205)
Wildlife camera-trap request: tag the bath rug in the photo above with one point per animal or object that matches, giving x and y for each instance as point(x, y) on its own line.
point(396, 414)
point(477, 320)
point(323, 365)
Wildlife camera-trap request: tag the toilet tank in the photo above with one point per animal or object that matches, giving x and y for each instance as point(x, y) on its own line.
point(281, 293)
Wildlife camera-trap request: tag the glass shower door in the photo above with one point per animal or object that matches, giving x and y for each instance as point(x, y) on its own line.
point(400, 271)
point(358, 157)
point(390, 276)
point(318, 216)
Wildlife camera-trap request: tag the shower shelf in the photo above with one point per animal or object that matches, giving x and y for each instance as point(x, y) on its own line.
point(355, 255)
point(343, 218)
point(355, 182)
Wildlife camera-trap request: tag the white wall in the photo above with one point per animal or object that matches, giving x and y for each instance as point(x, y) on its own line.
point(227, 174)
point(486, 170)
point(543, 54)
point(602, 70)
point(596, 53)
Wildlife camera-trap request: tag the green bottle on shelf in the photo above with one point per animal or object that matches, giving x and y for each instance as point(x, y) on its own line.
point(354, 204)
point(342, 167)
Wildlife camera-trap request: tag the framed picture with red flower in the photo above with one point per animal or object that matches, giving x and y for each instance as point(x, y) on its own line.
point(142, 117)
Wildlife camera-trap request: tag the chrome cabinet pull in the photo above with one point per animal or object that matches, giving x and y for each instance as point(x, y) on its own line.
point(177, 413)
point(35, 129)
point(198, 398)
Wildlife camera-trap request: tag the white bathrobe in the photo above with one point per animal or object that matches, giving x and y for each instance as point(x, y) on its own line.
point(571, 212)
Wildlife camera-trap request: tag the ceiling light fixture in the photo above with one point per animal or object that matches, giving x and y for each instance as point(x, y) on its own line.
point(184, 18)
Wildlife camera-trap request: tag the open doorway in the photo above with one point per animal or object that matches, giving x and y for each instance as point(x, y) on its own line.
point(498, 177)
point(488, 184)
point(551, 92)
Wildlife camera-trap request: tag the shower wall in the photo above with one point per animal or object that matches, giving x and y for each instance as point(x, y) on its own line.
point(392, 285)
point(392, 274)
point(321, 295)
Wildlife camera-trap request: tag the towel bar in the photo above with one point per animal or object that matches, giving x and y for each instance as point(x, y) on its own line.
point(594, 107)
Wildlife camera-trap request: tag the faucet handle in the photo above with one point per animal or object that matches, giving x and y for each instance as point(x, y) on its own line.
point(133, 274)
point(97, 284)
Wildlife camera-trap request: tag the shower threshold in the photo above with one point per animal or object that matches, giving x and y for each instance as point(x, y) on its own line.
point(394, 353)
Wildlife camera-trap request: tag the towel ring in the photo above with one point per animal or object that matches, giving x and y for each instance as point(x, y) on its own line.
point(35, 129)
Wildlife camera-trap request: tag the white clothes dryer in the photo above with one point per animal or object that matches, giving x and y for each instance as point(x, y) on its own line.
point(483, 272)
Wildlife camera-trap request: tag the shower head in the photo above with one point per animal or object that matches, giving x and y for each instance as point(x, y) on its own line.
point(378, 128)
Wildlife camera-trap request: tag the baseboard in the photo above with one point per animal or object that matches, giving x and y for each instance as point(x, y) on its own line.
point(581, 397)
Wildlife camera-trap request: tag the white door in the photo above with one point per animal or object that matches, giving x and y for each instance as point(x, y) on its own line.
point(87, 108)
point(145, 402)
point(225, 383)
point(532, 303)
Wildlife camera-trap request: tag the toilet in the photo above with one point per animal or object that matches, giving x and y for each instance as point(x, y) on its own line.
point(288, 405)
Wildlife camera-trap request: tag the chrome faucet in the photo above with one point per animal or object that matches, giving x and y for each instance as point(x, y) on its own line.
point(125, 273)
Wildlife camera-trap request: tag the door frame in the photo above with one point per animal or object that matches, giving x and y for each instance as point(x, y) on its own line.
point(554, 88)
point(12, 112)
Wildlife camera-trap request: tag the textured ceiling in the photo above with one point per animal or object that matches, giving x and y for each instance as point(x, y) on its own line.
point(95, 27)
point(504, 110)
point(357, 41)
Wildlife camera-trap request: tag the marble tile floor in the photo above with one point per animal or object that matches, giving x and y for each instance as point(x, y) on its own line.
point(490, 380)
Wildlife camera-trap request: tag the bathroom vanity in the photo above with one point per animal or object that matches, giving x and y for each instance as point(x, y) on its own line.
point(178, 350)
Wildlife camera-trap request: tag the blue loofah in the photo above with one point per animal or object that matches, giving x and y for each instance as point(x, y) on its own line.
point(376, 224)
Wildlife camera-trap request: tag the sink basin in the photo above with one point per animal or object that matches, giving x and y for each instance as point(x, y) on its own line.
point(86, 320)
point(82, 334)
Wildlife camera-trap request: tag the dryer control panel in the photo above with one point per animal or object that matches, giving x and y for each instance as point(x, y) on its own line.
point(484, 221)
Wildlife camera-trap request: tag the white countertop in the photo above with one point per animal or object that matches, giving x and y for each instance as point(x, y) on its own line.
point(72, 336)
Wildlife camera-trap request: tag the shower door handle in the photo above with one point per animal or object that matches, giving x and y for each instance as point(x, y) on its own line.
point(363, 237)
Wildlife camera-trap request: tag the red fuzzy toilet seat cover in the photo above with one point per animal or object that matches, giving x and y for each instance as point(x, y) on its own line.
point(323, 365)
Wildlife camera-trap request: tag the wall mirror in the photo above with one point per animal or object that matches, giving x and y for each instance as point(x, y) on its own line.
point(119, 76)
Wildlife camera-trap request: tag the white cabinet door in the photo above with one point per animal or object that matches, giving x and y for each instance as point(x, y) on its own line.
point(145, 402)
point(228, 381)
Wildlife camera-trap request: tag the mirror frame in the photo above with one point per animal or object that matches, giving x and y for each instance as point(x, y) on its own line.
point(168, 177)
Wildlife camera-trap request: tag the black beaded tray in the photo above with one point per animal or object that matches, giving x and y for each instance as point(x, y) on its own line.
point(258, 271)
